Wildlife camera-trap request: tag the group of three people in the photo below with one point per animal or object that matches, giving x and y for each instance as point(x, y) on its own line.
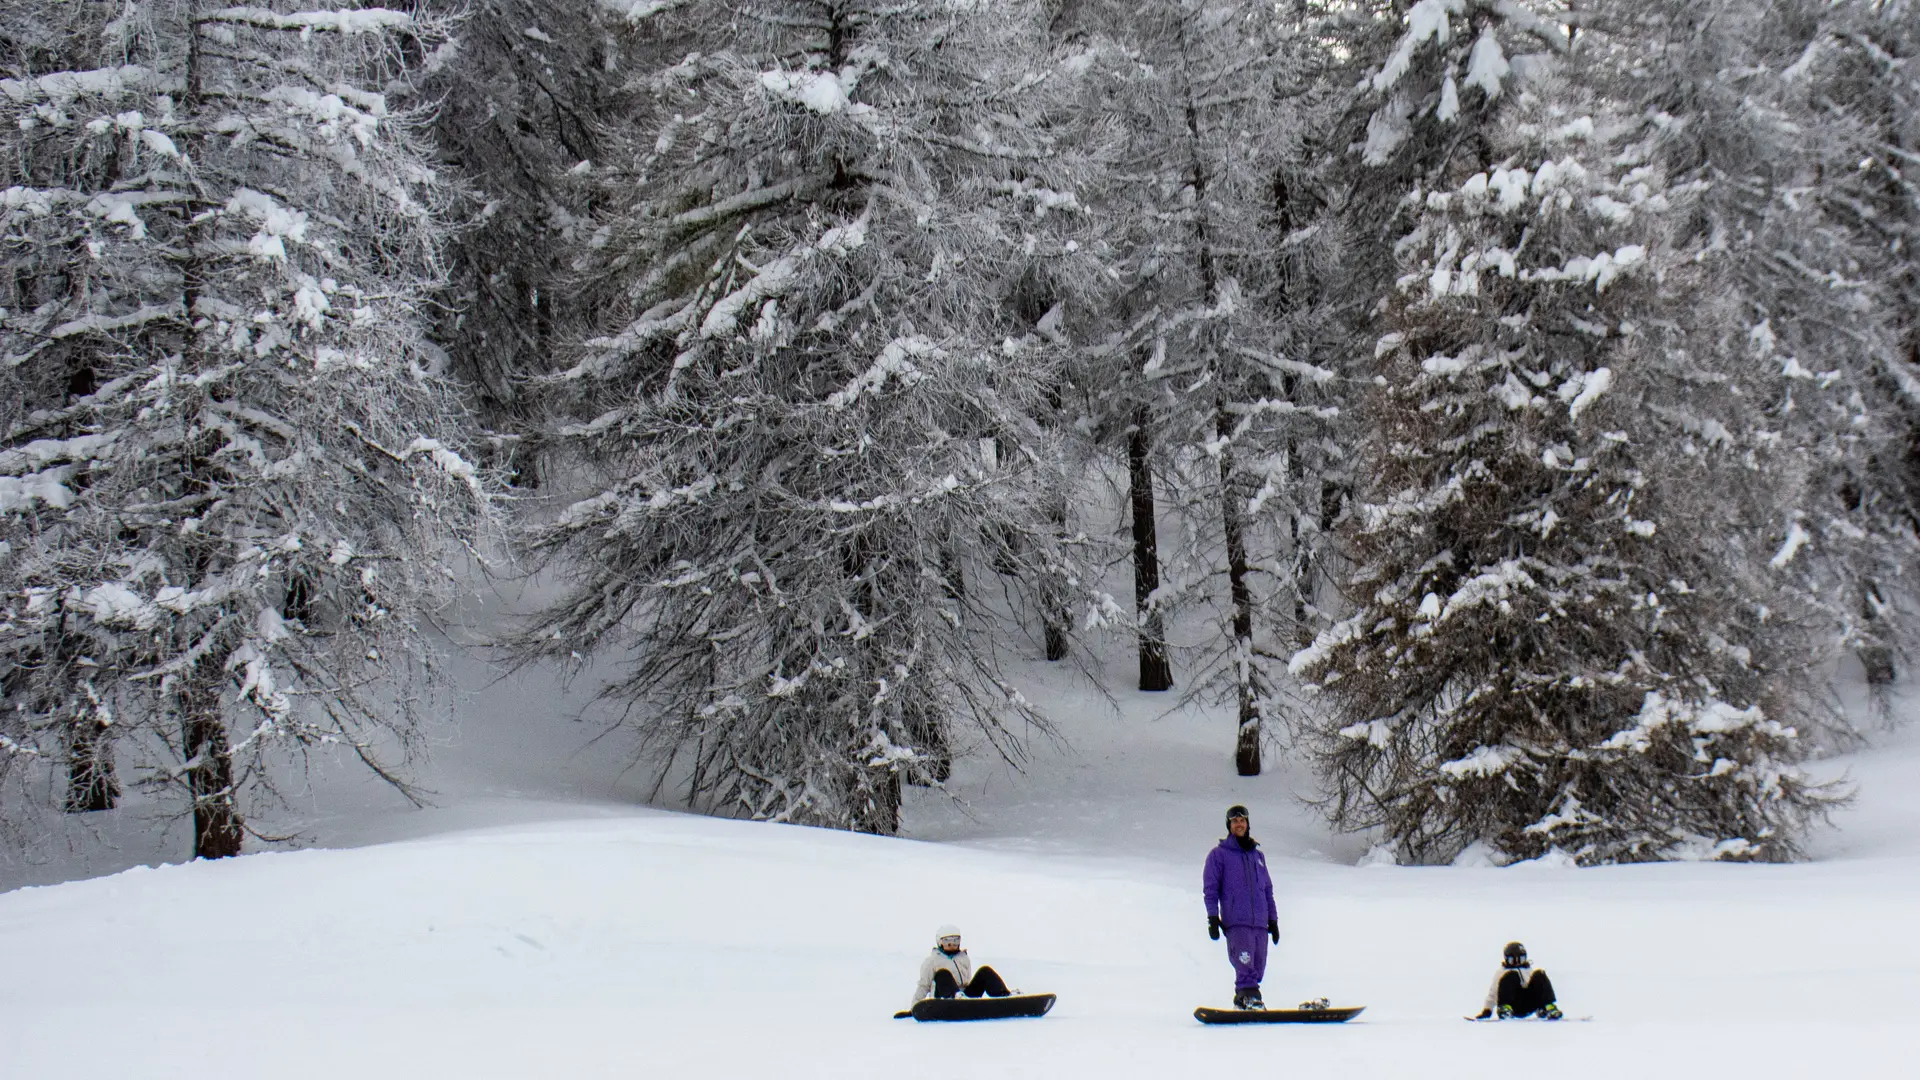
point(1239, 896)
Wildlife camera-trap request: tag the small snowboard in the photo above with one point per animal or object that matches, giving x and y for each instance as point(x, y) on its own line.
point(980, 1008)
point(1276, 1016)
point(1528, 1019)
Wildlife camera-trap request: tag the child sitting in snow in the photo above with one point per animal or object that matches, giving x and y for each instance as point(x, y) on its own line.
point(1518, 989)
point(948, 971)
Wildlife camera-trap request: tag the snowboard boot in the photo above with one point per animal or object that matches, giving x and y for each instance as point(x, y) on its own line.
point(1505, 1013)
point(1550, 1011)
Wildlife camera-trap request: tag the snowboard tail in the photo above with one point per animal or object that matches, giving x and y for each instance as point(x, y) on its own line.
point(982, 1008)
point(1276, 1016)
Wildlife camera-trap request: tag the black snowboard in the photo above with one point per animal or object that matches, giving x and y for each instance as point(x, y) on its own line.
point(980, 1008)
point(1276, 1016)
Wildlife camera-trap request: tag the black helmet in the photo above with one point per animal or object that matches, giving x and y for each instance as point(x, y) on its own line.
point(1236, 811)
point(1514, 955)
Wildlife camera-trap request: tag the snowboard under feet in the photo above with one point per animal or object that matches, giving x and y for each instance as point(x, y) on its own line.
point(1276, 1016)
point(980, 1008)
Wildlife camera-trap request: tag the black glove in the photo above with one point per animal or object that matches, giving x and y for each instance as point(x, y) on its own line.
point(1213, 927)
point(1273, 930)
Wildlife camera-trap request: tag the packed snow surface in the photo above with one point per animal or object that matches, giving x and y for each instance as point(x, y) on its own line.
point(535, 937)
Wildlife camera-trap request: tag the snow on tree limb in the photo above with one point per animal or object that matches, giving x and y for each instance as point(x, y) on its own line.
point(340, 21)
point(65, 86)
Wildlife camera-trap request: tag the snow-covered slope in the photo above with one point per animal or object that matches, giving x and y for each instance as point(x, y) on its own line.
point(589, 940)
point(660, 945)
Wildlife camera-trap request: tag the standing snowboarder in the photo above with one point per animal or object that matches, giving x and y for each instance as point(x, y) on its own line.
point(1518, 989)
point(1239, 896)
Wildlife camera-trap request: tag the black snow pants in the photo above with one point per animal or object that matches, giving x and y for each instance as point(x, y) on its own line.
point(1526, 997)
point(985, 983)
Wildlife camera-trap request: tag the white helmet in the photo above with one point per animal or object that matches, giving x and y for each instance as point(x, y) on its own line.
point(946, 931)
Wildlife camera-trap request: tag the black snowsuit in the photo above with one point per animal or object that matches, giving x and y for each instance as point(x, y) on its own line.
point(985, 983)
point(1524, 989)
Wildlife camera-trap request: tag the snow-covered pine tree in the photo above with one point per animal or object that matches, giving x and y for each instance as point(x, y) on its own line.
point(521, 98)
point(1566, 633)
point(1197, 97)
point(1860, 75)
point(234, 480)
point(1744, 82)
point(812, 403)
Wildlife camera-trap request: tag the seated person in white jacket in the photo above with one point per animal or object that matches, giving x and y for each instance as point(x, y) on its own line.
point(1518, 989)
point(948, 971)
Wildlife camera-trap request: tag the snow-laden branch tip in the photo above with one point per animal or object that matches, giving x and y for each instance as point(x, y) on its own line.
point(637, 10)
point(823, 92)
point(1487, 65)
point(40, 453)
point(751, 200)
point(1375, 733)
point(1589, 388)
point(773, 280)
point(64, 86)
point(48, 487)
point(345, 21)
point(1483, 761)
point(451, 463)
point(1797, 537)
point(107, 324)
point(1316, 654)
point(895, 363)
point(1426, 20)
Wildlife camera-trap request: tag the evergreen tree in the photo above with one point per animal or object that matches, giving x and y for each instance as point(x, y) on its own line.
point(1744, 82)
point(1860, 74)
point(233, 481)
point(1204, 121)
point(812, 404)
point(523, 99)
point(1567, 628)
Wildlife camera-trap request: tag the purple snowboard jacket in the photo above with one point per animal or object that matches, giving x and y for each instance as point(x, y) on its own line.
point(1237, 887)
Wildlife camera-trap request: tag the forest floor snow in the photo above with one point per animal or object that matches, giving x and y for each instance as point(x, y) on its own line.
point(516, 936)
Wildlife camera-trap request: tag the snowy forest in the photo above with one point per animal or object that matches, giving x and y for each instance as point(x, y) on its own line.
point(1510, 409)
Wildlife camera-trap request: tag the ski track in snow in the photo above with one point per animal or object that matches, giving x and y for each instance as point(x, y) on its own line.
point(542, 930)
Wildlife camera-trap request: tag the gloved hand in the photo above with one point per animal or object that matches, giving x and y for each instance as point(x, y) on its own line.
point(1273, 930)
point(1484, 1014)
point(1213, 927)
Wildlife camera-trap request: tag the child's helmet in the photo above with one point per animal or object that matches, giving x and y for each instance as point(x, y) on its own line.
point(1514, 955)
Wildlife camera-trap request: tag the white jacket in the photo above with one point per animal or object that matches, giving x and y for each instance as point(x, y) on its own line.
point(959, 965)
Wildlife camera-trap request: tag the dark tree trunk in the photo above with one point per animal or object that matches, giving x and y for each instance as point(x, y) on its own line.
point(1878, 662)
point(1303, 632)
point(1877, 657)
point(1056, 631)
point(1303, 570)
point(881, 814)
point(90, 781)
point(217, 833)
point(1053, 600)
point(1246, 755)
point(953, 579)
point(1155, 673)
